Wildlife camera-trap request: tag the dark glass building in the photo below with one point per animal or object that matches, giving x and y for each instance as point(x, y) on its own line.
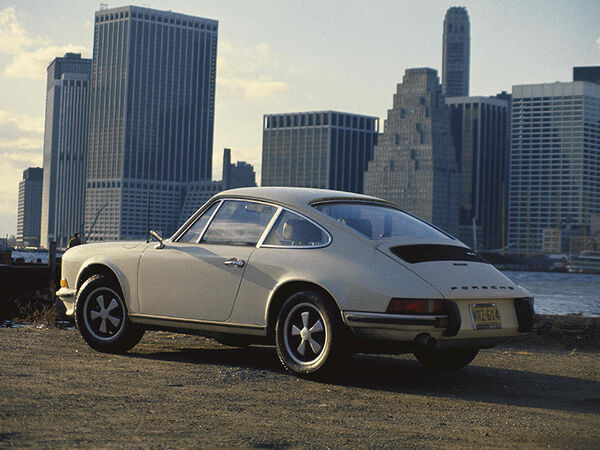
point(29, 208)
point(480, 131)
point(152, 114)
point(323, 149)
point(456, 53)
point(65, 148)
point(587, 73)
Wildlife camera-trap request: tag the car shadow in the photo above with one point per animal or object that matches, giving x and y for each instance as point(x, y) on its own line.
point(403, 375)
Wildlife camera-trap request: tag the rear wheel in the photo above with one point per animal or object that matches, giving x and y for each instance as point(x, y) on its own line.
point(447, 359)
point(309, 335)
point(101, 316)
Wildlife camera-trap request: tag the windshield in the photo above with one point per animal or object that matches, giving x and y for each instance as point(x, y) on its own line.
point(380, 221)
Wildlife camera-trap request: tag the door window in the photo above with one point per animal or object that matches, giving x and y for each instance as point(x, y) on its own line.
point(238, 223)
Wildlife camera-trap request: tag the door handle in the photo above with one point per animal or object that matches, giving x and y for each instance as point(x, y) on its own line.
point(234, 262)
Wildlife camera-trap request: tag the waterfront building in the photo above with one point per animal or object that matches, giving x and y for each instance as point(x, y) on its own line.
point(414, 163)
point(240, 174)
point(555, 164)
point(587, 73)
point(480, 132)
point(151, 119)
point(456, 52)
point(65, 148)
point(29, 208)
point(319, 149)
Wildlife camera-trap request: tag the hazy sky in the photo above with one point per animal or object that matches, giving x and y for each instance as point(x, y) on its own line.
point(286, 56)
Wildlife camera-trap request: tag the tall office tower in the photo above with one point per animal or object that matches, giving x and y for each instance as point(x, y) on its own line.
point(65, 148)
point(587, 73)
point(29, 208)
point(414, 162)
point(151, 119)
point(324, 149)
point(240, 174)
point(555, 165)
point(480, 131)
point(456, 53)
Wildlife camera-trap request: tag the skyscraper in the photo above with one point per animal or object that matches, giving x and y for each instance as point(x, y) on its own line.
point(322, 149)
point(414, 162)
point(65, 148)
point(480, 131)
point(456, 52)
point(240, 174)
point(152, 114)
point(555, 165)
point(29, 208)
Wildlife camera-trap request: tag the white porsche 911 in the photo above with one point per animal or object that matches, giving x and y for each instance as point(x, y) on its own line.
point(320, 274)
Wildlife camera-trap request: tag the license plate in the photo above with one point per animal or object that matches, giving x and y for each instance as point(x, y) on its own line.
point(485, 316)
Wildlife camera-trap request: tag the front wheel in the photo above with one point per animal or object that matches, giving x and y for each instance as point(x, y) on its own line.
point(447, 359)
point(101, 316)
point(309, 335)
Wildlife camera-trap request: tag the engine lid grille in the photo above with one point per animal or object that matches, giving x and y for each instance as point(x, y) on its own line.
point(434, 252)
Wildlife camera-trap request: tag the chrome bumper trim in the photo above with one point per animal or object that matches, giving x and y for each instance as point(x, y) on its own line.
point(379, 320)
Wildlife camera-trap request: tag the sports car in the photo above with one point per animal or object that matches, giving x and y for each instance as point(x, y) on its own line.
point(320, 274)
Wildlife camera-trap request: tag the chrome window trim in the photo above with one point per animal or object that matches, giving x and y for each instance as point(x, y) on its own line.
point(210, 219)
point(302, 216)
point(269, 226)
point(193, 219)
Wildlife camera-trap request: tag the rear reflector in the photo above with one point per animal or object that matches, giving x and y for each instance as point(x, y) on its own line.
point(415, 306)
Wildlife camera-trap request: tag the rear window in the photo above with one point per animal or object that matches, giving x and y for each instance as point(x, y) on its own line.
point(380, 221)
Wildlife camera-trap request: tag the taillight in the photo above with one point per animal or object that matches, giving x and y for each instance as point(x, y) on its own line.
point(415, 306)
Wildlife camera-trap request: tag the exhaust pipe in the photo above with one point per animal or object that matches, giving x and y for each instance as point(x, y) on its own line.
point(424, 341)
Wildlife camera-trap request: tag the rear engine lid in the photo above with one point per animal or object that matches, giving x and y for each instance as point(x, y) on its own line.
point(452, 268)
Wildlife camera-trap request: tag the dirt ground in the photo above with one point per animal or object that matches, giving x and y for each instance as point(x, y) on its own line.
point(183, 391)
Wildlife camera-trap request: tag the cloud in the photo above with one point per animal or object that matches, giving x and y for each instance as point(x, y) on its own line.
point(32, 65)
point(13, 37)
point(30, 54)
point(598, 43)
point(22, 122)
point(252, 89)
point(247, 70)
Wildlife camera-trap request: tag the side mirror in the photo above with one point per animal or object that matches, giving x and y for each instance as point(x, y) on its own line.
point(156, 235)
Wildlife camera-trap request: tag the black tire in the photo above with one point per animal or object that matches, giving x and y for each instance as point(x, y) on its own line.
point(309, 336)
point(448, 359)
point(101, 316)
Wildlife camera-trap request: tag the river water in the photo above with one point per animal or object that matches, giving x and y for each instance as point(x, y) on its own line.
point(561, 293)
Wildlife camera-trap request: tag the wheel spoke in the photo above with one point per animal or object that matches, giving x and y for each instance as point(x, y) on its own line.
point(315, 346)
point(295, 330)
point(114, 320)
point(100, 301)
point(113, 304)
point(94, 315)
point(302, 347)
point(103, 326)
point(318, 326)
point(305, 319)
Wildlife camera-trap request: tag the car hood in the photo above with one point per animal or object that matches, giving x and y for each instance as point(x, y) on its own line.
point(452, 268)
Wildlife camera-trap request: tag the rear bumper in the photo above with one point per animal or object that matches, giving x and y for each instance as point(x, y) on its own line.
point(451, 330)
point(67, 296)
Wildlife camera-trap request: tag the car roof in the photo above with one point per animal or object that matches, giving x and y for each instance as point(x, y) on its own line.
point(299, 197)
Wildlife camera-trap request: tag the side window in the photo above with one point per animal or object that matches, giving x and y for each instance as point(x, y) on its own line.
point(238, 223)
point(291, 230)
point(193, 233)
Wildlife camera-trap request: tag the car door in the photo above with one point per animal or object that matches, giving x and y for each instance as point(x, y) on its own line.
point(198, 276)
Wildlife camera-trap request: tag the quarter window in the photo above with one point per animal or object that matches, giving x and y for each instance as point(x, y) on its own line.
point(193, 233)
point(292, 230)
point(238, 223)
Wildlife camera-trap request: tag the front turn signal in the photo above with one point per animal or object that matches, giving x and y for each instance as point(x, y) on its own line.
point(63, 283)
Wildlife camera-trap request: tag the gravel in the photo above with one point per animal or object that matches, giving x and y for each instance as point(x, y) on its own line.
point(183, 391)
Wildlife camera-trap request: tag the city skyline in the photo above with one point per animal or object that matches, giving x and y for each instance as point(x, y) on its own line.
point(258, 74)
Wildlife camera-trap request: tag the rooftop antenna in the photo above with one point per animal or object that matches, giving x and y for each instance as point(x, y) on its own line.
point(103, 6)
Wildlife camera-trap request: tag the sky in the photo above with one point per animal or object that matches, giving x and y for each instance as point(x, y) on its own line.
point(290, 56)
